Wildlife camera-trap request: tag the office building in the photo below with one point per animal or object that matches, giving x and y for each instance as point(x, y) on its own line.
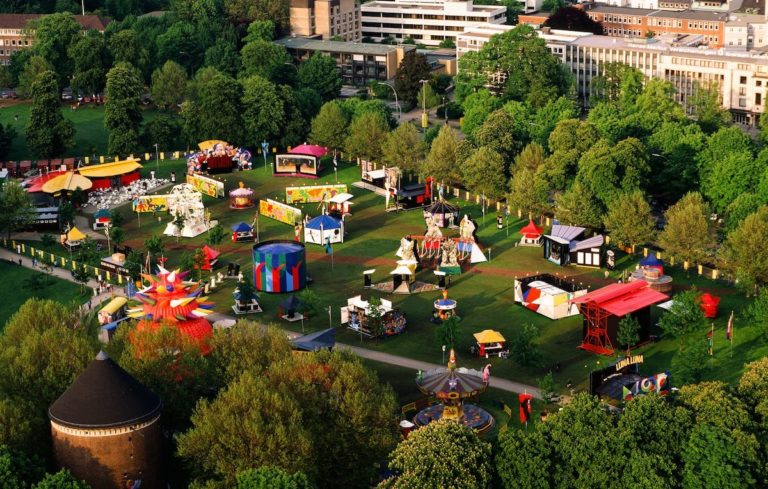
point(14, 38)
point(428, 22)
point(326, 19)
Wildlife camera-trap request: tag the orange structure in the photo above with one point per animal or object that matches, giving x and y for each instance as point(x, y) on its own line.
point(171, 300)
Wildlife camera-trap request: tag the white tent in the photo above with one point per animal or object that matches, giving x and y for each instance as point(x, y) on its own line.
point(324, 229)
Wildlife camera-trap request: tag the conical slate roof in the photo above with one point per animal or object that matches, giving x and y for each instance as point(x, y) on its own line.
point(104, 396)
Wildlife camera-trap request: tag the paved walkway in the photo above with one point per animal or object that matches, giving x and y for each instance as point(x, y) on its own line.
point(378, 356)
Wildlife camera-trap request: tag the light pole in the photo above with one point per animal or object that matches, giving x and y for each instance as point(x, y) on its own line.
point(157, 160)
point(397, 103)
point(445, 110)
point(424, 117)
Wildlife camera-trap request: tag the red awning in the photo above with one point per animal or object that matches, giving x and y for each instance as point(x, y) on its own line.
point(210, 253)
point(309, 149)
point(623, 299)
point(531, 230)
point(38, 182)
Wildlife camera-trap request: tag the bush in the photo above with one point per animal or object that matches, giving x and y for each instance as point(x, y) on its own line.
point(454, 110)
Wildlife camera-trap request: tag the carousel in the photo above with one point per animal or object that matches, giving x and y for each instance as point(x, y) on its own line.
point(241, 198)
point(452, 386)
point(445, 307)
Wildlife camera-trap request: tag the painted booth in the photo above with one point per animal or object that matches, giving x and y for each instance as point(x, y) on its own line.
point(279, 266)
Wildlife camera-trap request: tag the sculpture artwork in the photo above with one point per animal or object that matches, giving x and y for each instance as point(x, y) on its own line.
point(185, 204)
point(449, 257)
point(405, 252)
point(467, 229)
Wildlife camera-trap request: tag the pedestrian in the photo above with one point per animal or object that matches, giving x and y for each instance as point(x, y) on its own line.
point(19, 261)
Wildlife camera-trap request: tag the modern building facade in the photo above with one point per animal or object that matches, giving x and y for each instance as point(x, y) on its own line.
point(358, 63)
point(15, 37)
point(427, 22)
point(326, 19)
point(741, 77)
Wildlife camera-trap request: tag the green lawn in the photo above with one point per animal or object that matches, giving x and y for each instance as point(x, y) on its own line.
point(19, 284)
point(90, 133)
point(485, 294)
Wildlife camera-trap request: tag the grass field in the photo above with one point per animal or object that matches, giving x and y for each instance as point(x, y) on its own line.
point(485, 293)
point(90, 133)
point(18, 285)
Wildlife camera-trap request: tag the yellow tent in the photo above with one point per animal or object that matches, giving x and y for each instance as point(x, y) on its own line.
point(75, 235)
point(113, 169)
point(114, 305)
point(489, 336)
point(67, 182)
point(210, 144)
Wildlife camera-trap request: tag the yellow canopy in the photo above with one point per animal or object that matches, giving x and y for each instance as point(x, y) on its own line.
point(75, 234)
point(67, 182)
point(110, 169)
point(114, 305)
point(489, 336)
point(210, 144)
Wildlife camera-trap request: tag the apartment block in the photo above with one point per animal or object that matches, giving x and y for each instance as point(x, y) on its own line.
point(326, 19)
point(358, 63)
point(428, 22)
point(741, 76)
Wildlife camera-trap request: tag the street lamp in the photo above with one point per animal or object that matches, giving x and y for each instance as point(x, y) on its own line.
point(157, 160)
point(397, 103)
point(445, 110)
point(424, 117)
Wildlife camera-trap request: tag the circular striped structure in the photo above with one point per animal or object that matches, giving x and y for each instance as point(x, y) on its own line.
point(279, 266)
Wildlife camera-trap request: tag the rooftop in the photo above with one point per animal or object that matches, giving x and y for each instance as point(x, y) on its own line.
point(691, 14)
point(339, 46)
point(623, 299)
point(19, 21)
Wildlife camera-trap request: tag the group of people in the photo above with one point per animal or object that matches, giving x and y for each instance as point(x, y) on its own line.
point(198, 162)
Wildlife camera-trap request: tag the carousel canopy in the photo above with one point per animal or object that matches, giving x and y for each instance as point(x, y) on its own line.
point(340, 198)
point(309, 149)
point(651, 261)
point(66, 182)
point(465, 382)
point(241, 192)
point(531, 230)
point(489, 336)
point(242, 227)
point(210, 144)
point(316, 341)
point(442, 207)
point(75, 234)
point(114, 169)
point(210, 253)
point(324, 222)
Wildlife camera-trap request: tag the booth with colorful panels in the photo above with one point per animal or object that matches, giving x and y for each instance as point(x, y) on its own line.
point(279, 266)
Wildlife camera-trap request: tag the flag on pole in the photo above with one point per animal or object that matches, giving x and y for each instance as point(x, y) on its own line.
point(729, 330)
point(711, 339)
point(525, 407)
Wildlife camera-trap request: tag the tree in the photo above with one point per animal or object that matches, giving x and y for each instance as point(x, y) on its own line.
point(126, 47)
point(322, 413)
point(117, 235)
point(88, 53)
point(738, 210)
point(547, 387)
point(412, 70)
point(48, 133)
point(319, 73)
point(756, 312)
point(731, 176)
point(216, 235)
point(224, 57)
point(477, 108)
point(628, 333)
point(607, 170)
point(744, 253)
point(629, 220)
point(441, 454)
point(691, 361)
point(366, 136)
point(552, 5)
point(17, 471)
point(483, 173)
point(241, 11)
point(684, 315)
point(530, 158)
point(442, 160)
point(122, 116)
point(260, 30)
point(264, 58)
point(495, 134)
point(448, 333)
point(54, 33)
point(163, 130)
point(33, 68)
point(523, 348)
point(753, 387)
point(404, 148)
point(725, 142)
point(16, 208)
point(272, 478)
point(329, 127)
point(234, 350)
point(81, 276)
point(220, 95)
point(169, 85)
point(686, 233)
point(671, 147)
point(712, 459)
point(524, 459)
point(573, 19)
point(572, 134)
point(529, 191)
point(707, 107)
point(578, 206)
point(7, 135)
point(62, 479)
point(373, 317)
point(262, 111)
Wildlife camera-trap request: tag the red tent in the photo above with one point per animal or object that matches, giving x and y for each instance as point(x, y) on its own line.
point(211, 257)
point(531, 230)
point(603, 308)
point(709, 304)
point(309, 149)
point(36, 184)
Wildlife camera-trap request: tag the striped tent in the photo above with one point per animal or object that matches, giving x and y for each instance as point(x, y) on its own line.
point(279, 266)
point(442, 381)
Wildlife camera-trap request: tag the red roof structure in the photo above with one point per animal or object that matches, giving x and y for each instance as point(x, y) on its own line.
point(709, 304)
point(531, 230)
point(309, 149)
point(36, 183)
point(603, 308)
